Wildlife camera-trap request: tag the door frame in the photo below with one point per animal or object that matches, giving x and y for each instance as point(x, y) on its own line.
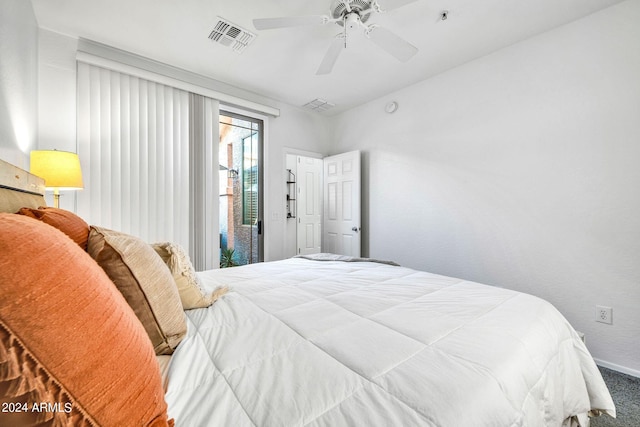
point(362, 229)
point(242, 114)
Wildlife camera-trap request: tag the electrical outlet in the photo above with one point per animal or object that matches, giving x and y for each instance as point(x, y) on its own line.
point(604, 314)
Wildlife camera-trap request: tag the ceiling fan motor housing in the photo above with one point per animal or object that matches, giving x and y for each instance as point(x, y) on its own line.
point(351, 21)
point(360, 11)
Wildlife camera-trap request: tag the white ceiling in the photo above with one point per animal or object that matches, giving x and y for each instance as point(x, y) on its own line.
point(281, 64)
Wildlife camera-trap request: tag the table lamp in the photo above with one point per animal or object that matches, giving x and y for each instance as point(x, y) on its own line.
point(60, 170)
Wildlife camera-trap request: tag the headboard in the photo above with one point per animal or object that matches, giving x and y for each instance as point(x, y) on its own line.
point(19, 189)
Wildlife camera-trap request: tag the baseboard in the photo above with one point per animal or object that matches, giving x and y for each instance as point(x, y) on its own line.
point(618, 368)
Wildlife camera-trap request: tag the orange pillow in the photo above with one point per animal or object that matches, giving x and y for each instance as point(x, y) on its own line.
point(66, 221)
point(68, 339)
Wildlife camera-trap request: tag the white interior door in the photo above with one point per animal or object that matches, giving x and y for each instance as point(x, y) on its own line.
point(341, 219)
point(309, 198)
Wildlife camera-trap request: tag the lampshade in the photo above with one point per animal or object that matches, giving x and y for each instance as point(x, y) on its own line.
point(60, 169)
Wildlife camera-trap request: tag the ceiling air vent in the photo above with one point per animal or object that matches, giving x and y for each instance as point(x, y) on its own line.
point(231, 35)
point(319, 105)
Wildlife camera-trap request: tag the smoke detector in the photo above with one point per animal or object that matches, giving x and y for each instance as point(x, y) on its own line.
point(231, 35)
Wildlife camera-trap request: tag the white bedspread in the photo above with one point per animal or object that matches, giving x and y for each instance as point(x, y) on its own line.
point(300, 342)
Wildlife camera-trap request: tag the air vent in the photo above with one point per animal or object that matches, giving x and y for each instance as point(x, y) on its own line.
point(319, 105)
point(231, 35)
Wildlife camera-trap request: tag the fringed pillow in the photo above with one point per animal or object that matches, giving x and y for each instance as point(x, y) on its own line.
point(192, 295)
point(72, 352)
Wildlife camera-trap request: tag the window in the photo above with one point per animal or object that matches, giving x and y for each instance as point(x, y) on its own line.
point(250, 196)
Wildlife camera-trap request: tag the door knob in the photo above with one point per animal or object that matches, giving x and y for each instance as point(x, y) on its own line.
point(356, 229)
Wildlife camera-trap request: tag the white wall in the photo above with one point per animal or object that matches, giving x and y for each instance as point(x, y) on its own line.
point(520, 169)
point(18, 81)
point(57, 91)
point(295, 131)
point(290, 236)
point(57, 100)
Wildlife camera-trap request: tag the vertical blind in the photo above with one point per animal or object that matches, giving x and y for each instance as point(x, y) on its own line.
point(134, 142)
point(204, 191)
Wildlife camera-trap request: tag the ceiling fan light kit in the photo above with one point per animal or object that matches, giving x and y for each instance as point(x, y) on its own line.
point(352, 15)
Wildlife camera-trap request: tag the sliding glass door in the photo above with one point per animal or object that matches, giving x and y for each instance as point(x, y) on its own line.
point(241, 185)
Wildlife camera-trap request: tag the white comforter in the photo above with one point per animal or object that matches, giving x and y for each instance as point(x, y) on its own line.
point(300, 342)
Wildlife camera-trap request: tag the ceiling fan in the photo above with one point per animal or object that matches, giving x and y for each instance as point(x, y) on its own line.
point(351, 15)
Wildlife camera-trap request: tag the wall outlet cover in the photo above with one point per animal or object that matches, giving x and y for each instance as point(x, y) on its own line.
point(604, 314)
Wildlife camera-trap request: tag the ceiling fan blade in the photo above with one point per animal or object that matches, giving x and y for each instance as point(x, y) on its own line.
point(331, 56)
point(394, 4)
point(294, 21)
point(395, 46)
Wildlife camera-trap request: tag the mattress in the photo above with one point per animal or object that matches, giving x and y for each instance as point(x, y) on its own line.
point(302, 342)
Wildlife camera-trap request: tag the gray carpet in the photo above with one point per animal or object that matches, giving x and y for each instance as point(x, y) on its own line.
point(625, 391)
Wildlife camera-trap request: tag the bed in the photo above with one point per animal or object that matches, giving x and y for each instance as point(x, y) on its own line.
point(326, 340)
